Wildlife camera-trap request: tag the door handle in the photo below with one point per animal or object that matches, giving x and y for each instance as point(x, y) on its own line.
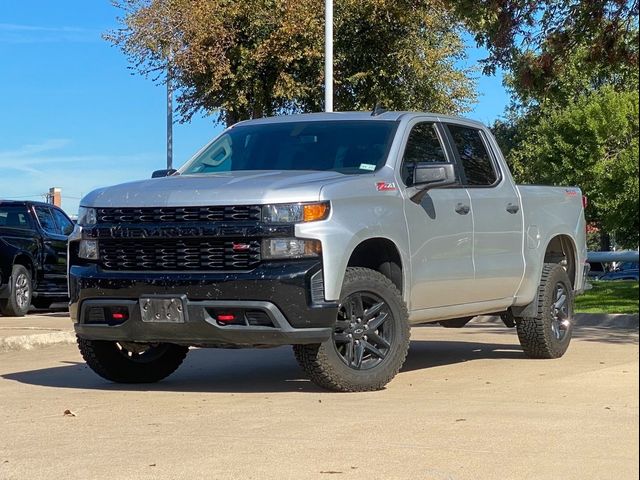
point(513, 209)
point(463, 209)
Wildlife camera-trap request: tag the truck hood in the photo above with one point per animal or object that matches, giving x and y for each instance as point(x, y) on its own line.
point(227, 188)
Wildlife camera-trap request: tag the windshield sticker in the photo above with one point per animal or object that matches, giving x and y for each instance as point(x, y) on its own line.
point(367, 166)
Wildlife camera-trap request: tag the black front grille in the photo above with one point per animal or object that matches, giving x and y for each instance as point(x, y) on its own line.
point(173, 254)
point(179, 214)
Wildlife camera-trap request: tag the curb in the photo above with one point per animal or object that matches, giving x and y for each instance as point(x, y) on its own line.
point(604, 320)
point(593, 320)
point(29, 342)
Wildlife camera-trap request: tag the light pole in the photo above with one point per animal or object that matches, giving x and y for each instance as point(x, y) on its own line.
point(328, 56)
point(169, 119)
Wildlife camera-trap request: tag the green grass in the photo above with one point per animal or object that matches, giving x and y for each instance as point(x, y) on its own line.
point(609, 297)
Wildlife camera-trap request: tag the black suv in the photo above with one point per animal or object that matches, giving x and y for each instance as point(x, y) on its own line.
point(33, 256)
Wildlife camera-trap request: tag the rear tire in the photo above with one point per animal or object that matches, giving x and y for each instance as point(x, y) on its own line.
point(122, 362)
point(548, 334)
point(370, 340)
point(17, 305)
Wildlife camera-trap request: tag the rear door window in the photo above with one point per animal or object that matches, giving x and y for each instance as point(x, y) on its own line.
point(14, 217)
point(476, 161)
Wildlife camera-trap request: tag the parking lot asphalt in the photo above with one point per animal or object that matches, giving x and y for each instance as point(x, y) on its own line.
point(467, 405)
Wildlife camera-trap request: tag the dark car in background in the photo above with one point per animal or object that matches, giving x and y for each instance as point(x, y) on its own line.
point(628, 273)
point(33, 256)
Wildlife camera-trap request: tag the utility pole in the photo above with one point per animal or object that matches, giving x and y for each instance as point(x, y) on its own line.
point(169, 119)
point(328, 56)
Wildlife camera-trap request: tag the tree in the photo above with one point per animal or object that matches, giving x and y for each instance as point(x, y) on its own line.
point(258, 58)
point(536, 40)
point(592, 143)
point(572, 69)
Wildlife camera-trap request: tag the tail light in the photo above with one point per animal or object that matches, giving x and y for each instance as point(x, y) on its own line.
point(585, 201)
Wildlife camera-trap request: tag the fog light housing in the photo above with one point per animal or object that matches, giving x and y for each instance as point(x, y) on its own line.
point(278, 248)
point(88, 249)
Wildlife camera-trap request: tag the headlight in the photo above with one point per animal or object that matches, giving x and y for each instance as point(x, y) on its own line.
point(295, 212)
point(274, 248)
point(87, 216)
point(88, 249)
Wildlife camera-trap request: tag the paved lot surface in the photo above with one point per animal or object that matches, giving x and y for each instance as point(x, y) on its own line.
point(467, 405)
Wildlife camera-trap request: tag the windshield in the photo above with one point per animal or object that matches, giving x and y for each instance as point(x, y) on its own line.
point(350, 147)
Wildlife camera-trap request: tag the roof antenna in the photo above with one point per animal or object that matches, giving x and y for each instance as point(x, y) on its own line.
point(378, 110)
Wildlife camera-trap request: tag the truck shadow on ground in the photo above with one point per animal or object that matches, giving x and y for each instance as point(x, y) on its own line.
point(256, 371)
point(275, 370)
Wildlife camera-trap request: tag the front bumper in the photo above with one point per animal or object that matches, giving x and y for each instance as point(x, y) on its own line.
point(279, 291)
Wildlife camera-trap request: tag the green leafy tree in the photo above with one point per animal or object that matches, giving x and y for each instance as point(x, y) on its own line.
point(257, 58)
point(536, 40)
point(592, 143)
point(572, 69)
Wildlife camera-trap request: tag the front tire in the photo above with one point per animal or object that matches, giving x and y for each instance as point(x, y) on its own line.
point(127, 362)
point(370, 340)
point(17, 305)
point(548, 334)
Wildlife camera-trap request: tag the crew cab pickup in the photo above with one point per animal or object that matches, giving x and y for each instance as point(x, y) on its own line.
point(333, 233)
point(33, 256)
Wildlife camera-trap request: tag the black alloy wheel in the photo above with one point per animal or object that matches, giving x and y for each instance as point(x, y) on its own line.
point(364, 330)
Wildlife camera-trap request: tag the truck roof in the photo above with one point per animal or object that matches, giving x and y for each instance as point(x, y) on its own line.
point(22, 203)
point(367, 116)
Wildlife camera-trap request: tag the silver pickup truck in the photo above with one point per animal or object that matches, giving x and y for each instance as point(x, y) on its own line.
point(333, 233)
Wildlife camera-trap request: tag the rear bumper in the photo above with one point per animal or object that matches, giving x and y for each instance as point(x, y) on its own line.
point(279, 291)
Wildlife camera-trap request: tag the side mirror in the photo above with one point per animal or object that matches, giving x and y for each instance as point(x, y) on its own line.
point(432, 176)
point(163, 173)
point(428, 176)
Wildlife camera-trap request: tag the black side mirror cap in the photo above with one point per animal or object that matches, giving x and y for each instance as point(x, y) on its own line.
point(163, 173)
point(428, 176)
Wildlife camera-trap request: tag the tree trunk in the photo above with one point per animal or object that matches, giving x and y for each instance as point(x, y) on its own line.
point(605, 241)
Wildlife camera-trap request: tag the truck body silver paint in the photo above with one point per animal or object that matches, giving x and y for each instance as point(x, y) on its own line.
point(451, 267)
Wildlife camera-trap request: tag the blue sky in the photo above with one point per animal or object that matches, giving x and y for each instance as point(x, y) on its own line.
point(74, 116)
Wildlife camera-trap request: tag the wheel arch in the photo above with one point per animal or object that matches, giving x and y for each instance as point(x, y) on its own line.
point(26, 261)
point(382, 255)
point(562, 249)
